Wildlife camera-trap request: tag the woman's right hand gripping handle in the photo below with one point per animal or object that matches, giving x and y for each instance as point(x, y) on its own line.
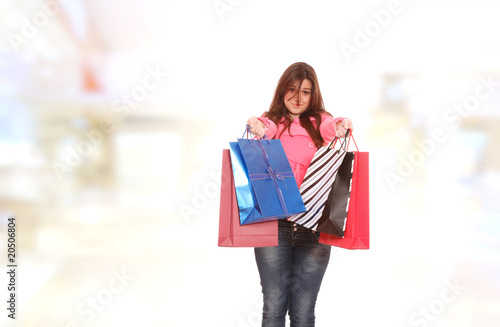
point(257, 127)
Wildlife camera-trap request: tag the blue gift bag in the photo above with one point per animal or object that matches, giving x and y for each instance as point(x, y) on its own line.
point(265, 185)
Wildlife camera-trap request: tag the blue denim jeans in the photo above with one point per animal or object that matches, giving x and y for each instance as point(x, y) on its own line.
point(291, 275)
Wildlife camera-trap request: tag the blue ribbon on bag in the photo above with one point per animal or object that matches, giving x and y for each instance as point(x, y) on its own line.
point(271, 174)
point(274, 175)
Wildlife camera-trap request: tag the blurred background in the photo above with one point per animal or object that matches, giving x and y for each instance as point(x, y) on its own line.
point(113, 117)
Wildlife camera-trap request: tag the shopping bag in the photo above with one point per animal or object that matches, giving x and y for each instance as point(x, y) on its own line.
point(317, 183)
point(265, 185)
point(356, 233)
point(231, 234)
point(334, 215)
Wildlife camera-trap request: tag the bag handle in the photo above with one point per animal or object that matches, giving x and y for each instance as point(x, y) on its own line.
point(248, 135)
point(347, 139)
point(352, 137)
point(247, 131)
point(343, 144)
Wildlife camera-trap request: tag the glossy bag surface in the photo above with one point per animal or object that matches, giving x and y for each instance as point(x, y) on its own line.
point(265, 185)
point(357, 228)
point(231, 233)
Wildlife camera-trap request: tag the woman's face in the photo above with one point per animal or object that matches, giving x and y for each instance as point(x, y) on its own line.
point(297, 101)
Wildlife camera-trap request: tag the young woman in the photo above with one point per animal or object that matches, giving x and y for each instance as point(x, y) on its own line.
point(291, 273)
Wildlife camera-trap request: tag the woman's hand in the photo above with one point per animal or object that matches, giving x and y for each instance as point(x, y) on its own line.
point(343, 126)
point(257, 127)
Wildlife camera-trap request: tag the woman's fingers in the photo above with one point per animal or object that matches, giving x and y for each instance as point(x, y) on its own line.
point(343, 127)
point(256, 126)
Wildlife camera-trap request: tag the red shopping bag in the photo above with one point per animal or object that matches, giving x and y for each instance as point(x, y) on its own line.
point(231, 233)
point(357, 233)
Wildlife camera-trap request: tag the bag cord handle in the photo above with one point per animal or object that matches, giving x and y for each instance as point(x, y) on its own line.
point(347, 138)
point(248, 134)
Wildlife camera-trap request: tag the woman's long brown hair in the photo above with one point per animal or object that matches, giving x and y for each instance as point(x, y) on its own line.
point(277, 111)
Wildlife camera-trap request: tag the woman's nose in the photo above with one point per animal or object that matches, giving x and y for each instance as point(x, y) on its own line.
point(297, 97)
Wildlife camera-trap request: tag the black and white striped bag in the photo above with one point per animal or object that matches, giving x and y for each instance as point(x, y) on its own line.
point(317, 183)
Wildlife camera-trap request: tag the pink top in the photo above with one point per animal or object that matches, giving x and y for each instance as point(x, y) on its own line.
point(299, 148)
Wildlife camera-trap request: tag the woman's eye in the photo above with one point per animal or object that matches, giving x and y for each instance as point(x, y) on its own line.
point(306, 92)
